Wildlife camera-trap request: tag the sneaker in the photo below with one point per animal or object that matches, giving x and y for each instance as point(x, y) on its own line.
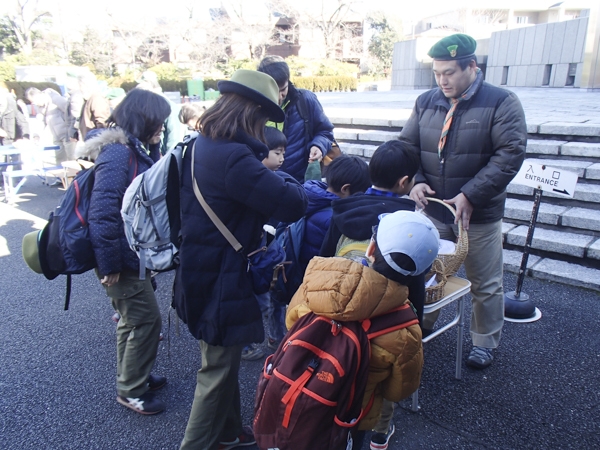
point(115, 317)
point(273, 344)
point(252, 352)
point(243, 440)
point(380, 441)
point(146, 404)
point(155, 382)
point(480, 357)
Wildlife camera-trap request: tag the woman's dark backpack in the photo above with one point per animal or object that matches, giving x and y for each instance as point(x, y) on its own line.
point(64, 246)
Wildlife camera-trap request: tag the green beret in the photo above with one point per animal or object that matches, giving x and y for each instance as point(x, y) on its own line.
point(453, 47)
point(114, 93)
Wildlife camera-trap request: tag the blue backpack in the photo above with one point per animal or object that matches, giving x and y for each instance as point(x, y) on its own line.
point(64, 244)
point(291, 239)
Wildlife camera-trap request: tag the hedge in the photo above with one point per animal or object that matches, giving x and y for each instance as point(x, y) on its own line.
point(326, 84)
point(315, 84)
point(173, 85)
point(21, 86)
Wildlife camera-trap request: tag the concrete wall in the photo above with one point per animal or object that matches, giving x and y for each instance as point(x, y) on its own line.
point(411, 67)
point(538, 56)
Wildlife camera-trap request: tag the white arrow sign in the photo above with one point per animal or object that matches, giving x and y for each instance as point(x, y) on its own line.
point(546, 178)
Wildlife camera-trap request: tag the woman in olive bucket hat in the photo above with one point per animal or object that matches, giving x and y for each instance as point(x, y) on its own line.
point(213, 291)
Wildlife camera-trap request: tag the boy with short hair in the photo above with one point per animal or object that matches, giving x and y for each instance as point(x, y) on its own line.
point(404, 244)
point(276, 143)
point(392, 168)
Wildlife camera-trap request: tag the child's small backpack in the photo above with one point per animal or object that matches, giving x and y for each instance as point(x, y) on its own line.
point(351, 248)
point(310, 393)
point(151, 212)
point(311, 390)
point(291, 239)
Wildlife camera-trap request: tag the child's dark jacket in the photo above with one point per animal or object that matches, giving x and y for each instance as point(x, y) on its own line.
point(318, 218)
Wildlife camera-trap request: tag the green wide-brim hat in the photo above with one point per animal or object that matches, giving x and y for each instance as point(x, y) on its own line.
point(456, 46)
point(258, 87)
point(30, 251)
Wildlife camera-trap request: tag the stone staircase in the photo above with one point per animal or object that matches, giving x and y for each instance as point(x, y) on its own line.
point(566, 242)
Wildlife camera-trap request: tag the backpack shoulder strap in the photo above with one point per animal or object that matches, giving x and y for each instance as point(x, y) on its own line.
point(303, 111)
point(396, 319)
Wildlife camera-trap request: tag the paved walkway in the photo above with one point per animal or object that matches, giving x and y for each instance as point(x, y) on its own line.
point(540, 104)
point(57, 368)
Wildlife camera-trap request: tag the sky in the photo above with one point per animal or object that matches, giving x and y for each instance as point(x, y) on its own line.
point(78, 14)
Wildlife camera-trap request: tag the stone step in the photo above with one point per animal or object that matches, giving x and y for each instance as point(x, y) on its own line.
point(552, 270)
point(521, 210)
point(578, 167)
point(349, 134)
point(563, 242)
point(368, 122)
point(544, 147)
point(569, 128)
point(566, 216)
point(584, 192)
point(362, 150)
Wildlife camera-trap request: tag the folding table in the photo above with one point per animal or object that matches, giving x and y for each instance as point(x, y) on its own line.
point(454, 291)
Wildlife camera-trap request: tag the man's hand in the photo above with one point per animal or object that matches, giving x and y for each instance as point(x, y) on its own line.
point(111, 279)
point(464, 209)
point(419, 192)
point(315, 154)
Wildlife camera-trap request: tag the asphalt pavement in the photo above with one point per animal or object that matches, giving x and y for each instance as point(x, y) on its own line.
point(57, 368)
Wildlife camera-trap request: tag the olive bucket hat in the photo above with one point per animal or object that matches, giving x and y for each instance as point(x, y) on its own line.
point(258, 87)
point(30, 251)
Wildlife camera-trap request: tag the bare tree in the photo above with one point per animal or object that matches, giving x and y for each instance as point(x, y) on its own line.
point(336, 21)
point(23, 20)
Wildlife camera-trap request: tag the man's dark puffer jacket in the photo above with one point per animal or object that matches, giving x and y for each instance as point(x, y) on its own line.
point(297, 151)
point(484, 149)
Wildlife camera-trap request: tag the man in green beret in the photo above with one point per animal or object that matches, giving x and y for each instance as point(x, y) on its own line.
point(471, 137)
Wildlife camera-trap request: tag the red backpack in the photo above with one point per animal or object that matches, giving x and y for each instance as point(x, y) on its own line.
point(311, 390)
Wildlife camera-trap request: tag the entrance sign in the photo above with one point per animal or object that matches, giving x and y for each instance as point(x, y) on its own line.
point(546, 178)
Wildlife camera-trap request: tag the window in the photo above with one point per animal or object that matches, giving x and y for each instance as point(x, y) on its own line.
point(571, 74)
point(547, 74)
point(522, 19)
point(504, 80)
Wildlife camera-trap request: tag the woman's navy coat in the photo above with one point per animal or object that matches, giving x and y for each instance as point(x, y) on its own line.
point(213, 291)
point(119, 158)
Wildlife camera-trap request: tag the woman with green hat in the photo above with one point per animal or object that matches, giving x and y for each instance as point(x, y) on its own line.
point(213, 291)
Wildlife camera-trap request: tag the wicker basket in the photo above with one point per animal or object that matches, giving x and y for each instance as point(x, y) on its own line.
point(445, 266)
point(435, 293)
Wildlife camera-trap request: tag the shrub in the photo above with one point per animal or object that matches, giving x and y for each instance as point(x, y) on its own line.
point(326, 84)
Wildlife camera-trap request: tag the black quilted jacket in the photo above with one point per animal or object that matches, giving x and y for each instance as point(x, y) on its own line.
point(484, 149)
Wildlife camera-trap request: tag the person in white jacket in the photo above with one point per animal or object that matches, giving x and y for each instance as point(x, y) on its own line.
point(53, 107)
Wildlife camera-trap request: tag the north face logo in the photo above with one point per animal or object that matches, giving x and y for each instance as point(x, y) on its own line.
point(325, 376)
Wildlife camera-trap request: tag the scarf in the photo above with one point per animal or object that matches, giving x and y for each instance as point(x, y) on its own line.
point(453, 104)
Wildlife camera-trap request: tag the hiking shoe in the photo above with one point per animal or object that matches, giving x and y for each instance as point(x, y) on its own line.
point(252, 352)
point(243, 440)
point(146, 404)
point(272, 344)
point(155, 382)
point(380, 441)
point(480, 357)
